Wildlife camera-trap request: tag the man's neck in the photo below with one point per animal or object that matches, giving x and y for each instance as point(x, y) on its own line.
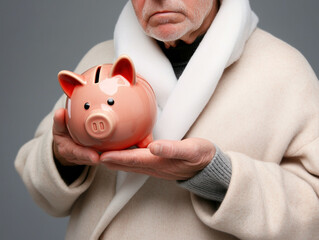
point(180, 55)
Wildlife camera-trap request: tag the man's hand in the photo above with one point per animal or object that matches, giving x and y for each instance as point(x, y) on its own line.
point(65, 150)
point(171, 160)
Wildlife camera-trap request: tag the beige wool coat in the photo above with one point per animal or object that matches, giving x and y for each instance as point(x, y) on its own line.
point(264, 115)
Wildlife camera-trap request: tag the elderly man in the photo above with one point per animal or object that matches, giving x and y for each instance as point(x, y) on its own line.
point(238, 129)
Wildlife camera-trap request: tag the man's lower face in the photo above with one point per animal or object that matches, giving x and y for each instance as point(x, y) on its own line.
point(170, 20)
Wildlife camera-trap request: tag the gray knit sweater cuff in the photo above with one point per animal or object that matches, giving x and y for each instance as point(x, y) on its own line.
point(213, 181)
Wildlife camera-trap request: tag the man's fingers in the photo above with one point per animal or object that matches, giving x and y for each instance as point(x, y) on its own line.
point(139, 157)
point(170, 160)
point(85, 155)
point(65, 149)
point(71, 153)
point(59, 126)
point(124, 168)
point(187, 149)
point(141, 170)
point(172, 149)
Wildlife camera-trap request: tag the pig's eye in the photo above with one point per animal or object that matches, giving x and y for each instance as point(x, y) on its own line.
point(86, 106)
point(110, 101)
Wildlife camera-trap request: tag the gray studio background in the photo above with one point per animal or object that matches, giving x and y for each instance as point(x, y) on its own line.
point(40, 38)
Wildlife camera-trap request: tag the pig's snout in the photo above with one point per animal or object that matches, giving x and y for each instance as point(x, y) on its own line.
point(99, 125)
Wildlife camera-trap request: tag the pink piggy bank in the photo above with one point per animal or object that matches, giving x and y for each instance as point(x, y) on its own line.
point(109, 107)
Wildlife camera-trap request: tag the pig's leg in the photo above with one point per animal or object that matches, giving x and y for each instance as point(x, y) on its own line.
point(144, 143)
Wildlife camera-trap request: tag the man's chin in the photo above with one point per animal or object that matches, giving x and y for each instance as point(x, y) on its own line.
point(166, 32)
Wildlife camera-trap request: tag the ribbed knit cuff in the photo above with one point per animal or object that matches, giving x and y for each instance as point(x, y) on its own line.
point(213, 181)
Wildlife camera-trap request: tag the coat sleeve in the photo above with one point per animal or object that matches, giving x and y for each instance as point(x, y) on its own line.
point(36, 166)
point(268, 201)
point(275, 200)
point(35, 162)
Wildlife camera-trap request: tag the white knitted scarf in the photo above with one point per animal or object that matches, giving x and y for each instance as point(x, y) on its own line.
point(179, 102)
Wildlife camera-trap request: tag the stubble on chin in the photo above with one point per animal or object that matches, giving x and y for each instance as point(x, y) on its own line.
point(172, 31)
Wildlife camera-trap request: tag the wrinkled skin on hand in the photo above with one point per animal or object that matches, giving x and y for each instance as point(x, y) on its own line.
point(171, 160)
point(66, 151)
point(166, 159)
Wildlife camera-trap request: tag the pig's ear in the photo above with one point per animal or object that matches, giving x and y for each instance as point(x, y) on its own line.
point(69, 80)
point(125, 67)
